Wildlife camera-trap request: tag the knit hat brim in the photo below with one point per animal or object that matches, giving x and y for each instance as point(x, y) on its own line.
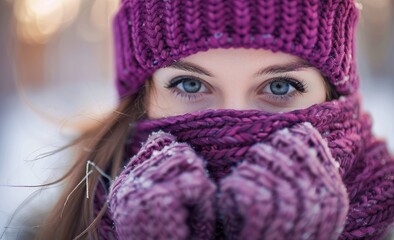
point(151, 34)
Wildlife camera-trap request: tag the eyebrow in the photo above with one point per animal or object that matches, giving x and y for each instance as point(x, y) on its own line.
point(190, 67)
point(296, 65)
point(274, 69)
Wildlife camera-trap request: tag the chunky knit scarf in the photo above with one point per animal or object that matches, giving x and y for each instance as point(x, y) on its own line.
point(316, 173)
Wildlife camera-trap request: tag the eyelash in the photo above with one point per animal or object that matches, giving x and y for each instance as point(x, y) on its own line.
point(172, 85)
point(299, 86)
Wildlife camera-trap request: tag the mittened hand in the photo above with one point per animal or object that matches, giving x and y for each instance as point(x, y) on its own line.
point(286, 188)
point(163, 193)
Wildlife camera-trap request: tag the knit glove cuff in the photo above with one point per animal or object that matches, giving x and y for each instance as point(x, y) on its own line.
point(286, 188)
point(163, 193)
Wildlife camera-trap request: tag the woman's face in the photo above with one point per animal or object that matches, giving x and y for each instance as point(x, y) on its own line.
point(238, 79)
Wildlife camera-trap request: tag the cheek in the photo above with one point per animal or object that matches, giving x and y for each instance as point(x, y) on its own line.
point(158, 106)
point(319, 93)
point(316, 89)
point(316, 97)
point(162, 103)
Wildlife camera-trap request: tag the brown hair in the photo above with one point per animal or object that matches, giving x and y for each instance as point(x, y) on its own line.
point(331, 93)
point(73, 216)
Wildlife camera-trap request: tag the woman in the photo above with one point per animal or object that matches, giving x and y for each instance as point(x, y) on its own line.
point(236, 120)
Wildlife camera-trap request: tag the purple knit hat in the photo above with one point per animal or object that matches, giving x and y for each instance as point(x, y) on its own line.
point(151, 34)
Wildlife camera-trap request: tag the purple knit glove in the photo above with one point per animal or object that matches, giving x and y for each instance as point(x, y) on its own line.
point(163, 193)
point(286, 188)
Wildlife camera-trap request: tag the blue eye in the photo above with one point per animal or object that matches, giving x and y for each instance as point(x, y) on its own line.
point(190, 85)
point(284, 86)
point(280, 87)
point(187, 85)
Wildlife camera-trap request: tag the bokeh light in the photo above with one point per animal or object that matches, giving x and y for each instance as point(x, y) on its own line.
point(37, 21)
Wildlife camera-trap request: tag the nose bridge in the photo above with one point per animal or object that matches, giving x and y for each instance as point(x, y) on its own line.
point(237, 99)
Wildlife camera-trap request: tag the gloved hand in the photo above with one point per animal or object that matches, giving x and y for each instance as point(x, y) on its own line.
point(163, 193)
point(286, 188)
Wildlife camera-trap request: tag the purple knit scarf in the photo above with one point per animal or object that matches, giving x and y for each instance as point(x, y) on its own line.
point(316, 173)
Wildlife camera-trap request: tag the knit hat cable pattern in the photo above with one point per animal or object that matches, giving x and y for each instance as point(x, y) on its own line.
point(151, 34)
point(316, 173)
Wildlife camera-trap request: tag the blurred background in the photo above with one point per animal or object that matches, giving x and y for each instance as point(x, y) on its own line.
point(56, 73)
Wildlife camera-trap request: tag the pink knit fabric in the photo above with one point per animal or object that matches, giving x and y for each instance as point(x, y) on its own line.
point(151, 34)
point(247, 154)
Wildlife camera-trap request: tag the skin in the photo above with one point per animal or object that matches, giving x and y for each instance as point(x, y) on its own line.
point(231, 81)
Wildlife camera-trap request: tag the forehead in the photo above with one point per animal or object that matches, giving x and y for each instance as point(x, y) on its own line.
point(239, 63)
point(232, 54)
point(238, 60)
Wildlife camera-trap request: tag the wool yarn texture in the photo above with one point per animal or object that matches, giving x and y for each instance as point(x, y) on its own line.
point(316, 173)
point(151, 34)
